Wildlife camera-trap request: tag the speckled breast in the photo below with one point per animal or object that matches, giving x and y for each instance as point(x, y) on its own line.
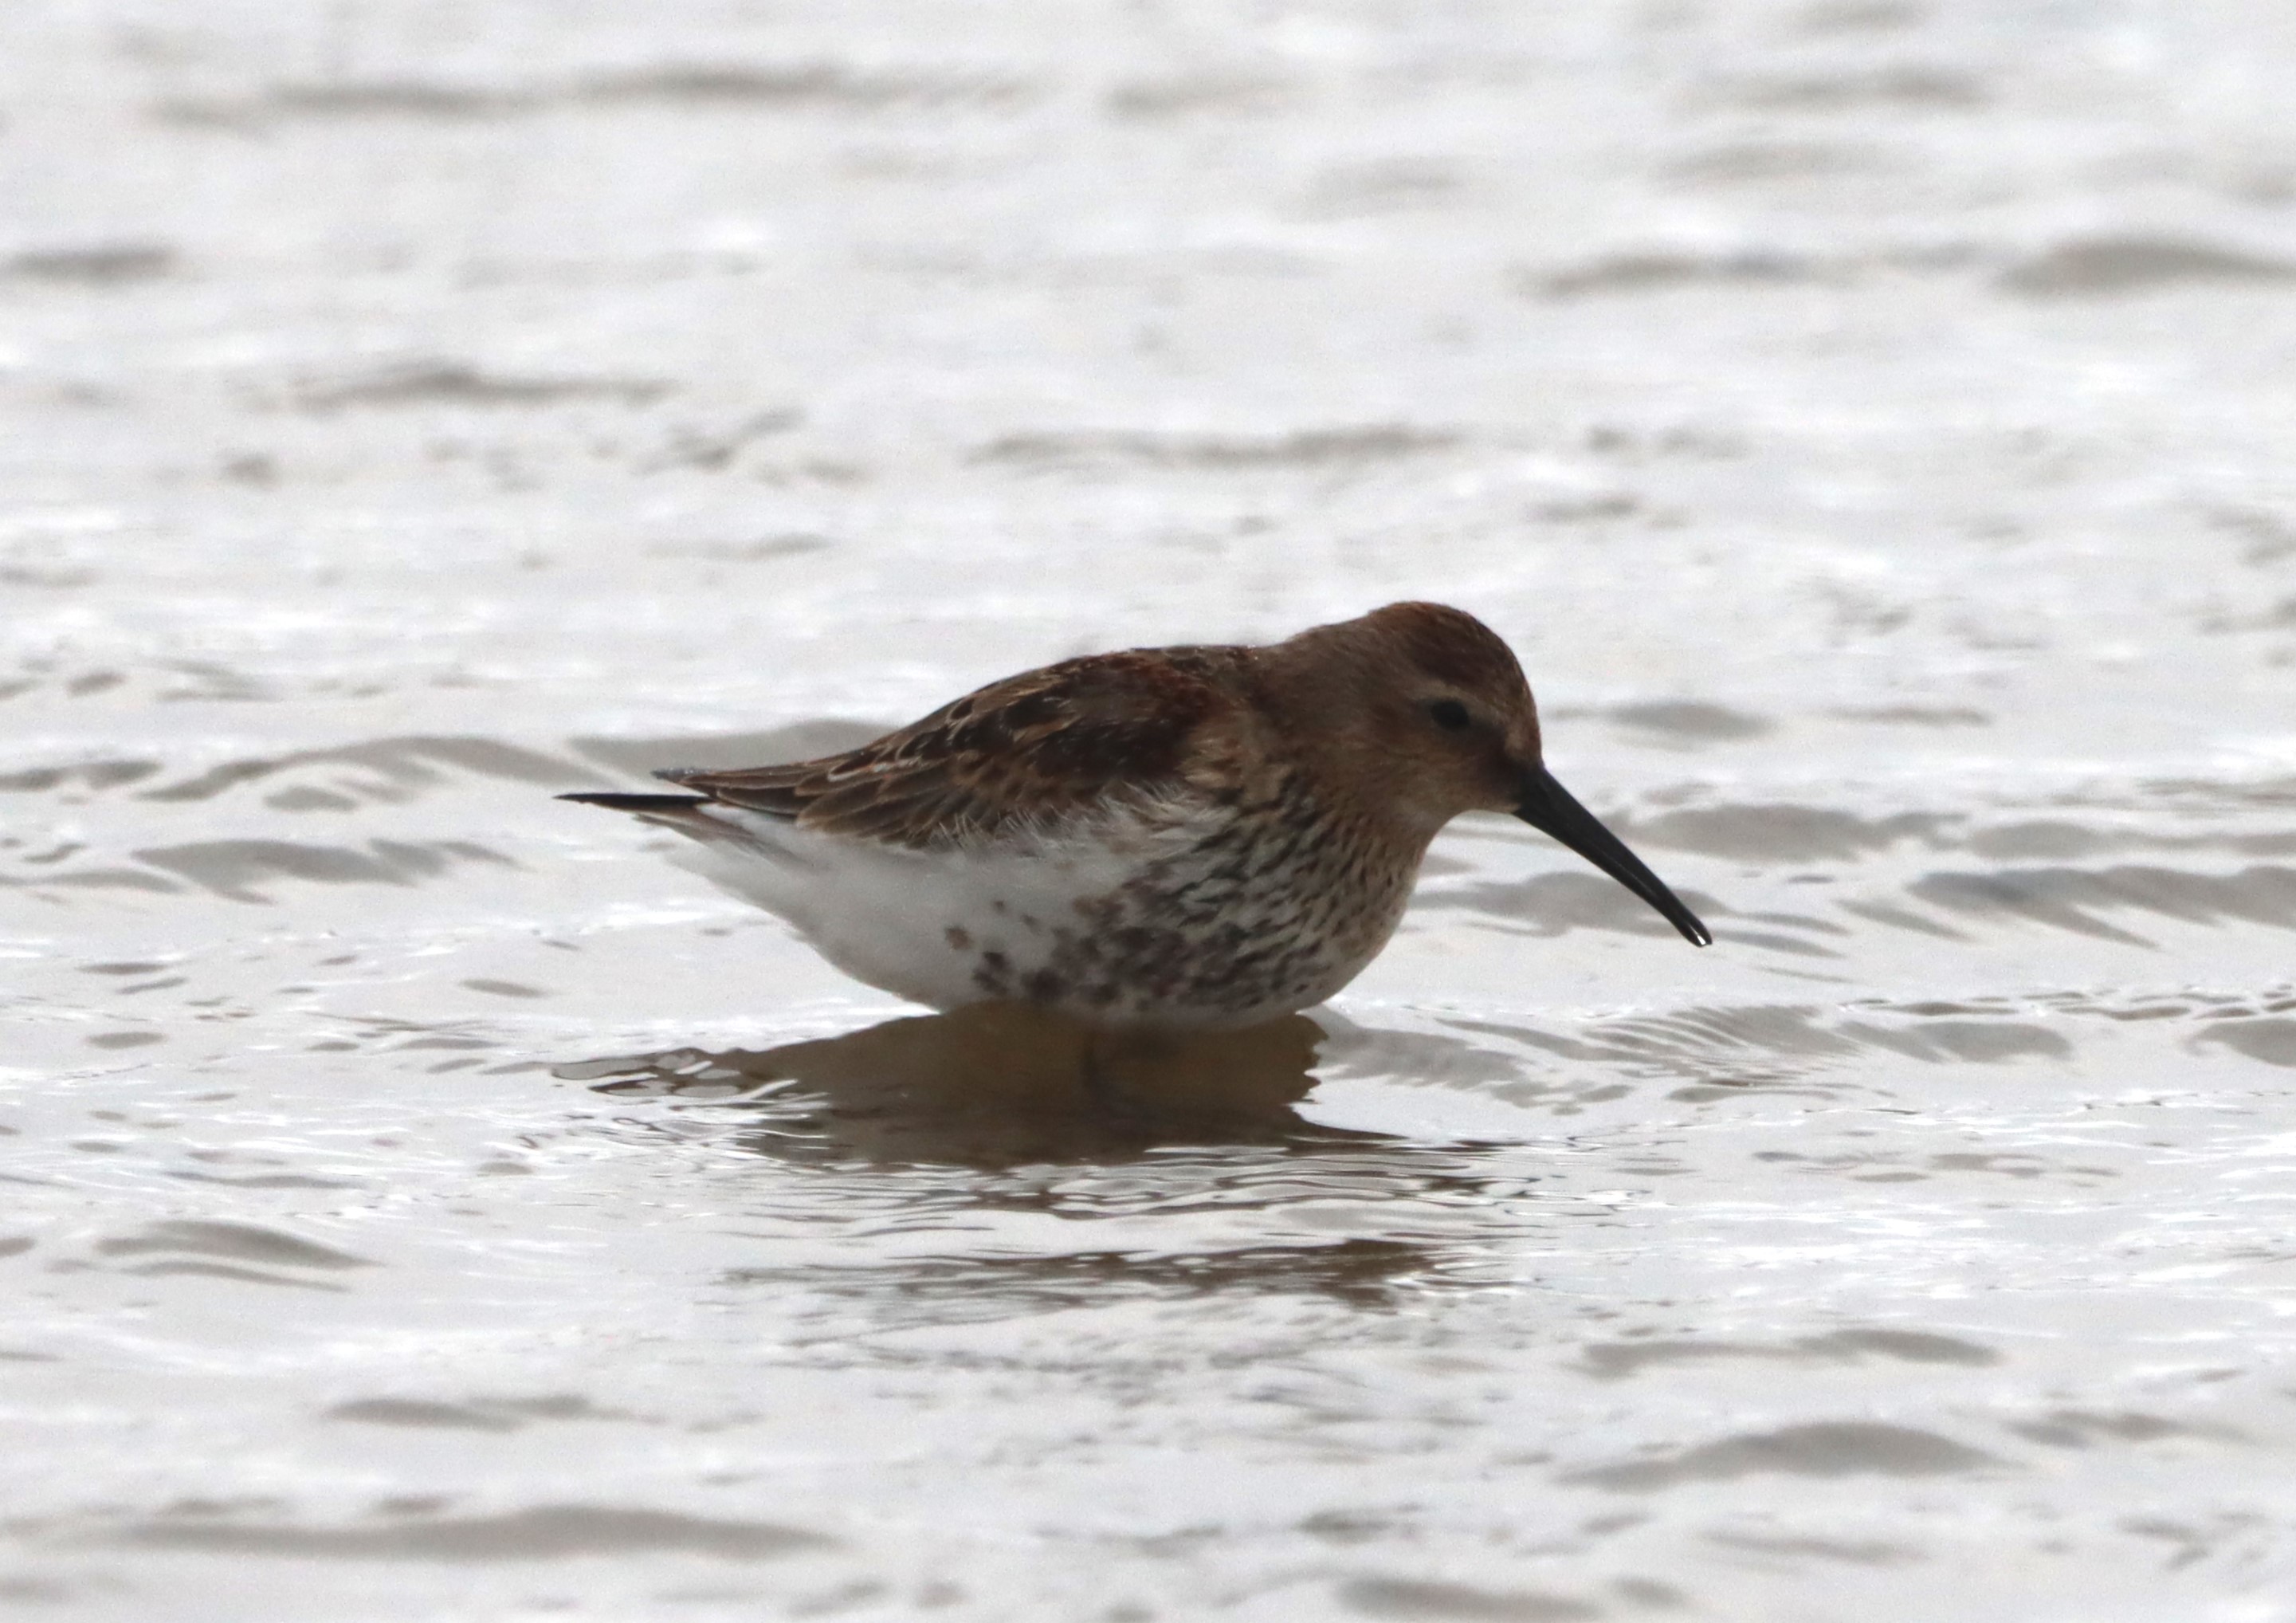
point(1269, 911)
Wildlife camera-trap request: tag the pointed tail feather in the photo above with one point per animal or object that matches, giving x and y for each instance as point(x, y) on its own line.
point(642, 803)
point(694, 816)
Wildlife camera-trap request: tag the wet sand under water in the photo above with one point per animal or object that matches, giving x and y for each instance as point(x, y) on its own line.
point(1868, 420)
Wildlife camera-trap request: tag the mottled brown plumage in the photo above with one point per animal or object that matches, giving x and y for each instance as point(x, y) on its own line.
point(1016, 755)
point(1182, 836)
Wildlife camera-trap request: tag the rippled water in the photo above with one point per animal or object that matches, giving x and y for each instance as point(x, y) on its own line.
point(1869, 418)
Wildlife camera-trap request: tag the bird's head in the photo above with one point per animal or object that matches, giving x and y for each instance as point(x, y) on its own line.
point(1422, 712)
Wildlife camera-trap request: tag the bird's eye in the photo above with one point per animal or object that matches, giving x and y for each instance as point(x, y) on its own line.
point(1449, 714)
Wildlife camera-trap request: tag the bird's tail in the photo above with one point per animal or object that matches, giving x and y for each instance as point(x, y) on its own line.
point(693, 816)
point(656, 804)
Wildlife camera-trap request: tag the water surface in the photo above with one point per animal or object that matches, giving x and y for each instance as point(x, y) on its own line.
point(1870, 422)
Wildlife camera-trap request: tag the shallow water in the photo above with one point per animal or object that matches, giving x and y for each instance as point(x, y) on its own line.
point(1868, 418)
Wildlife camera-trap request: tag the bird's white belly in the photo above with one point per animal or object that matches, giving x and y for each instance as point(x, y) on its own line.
point(923, 923)
point(1086, 924)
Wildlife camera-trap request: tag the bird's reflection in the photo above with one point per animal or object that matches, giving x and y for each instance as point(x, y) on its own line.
point(995, 1085)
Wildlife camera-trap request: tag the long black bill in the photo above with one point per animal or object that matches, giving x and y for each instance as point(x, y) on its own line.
point(1547, 806)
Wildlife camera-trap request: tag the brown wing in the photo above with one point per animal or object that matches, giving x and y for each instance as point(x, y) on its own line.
point(1032, 748)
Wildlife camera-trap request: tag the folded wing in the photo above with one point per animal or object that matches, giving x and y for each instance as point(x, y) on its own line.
point(1017, 756)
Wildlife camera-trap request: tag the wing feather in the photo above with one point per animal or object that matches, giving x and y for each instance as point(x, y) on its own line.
point(1016, 755)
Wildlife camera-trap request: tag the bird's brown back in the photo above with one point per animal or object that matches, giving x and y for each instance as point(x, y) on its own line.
point(1019, 755)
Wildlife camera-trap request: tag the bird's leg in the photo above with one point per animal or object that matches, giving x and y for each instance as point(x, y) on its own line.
point(1098, 1086)
point(1102, 1085)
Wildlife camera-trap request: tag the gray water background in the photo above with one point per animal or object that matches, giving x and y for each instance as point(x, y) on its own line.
point(1870, 419)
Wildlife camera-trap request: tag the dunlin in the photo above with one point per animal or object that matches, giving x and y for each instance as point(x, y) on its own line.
point(1185, 838)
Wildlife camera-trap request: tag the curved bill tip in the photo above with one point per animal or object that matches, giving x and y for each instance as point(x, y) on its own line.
point(1548, 807)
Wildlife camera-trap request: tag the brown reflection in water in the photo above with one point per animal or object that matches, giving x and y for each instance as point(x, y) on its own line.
point(1169, 1125)
point(995, 1085)
point(1363, 1272)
